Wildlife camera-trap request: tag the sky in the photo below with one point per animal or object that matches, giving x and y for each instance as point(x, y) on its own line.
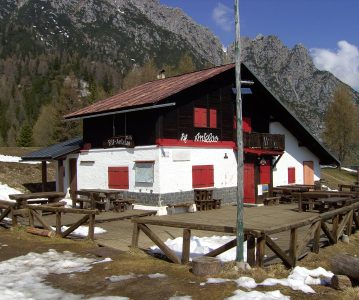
point(329, 29)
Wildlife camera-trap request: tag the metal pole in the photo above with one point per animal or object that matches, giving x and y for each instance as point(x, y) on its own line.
point(240, 234)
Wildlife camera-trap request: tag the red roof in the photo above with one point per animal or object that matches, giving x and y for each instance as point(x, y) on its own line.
point(150, 92)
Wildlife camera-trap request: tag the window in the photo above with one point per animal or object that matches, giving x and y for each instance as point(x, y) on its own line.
point(202, 176)
point(144, 172)
point(205, 118)
point(291, 175)
point(118, 178)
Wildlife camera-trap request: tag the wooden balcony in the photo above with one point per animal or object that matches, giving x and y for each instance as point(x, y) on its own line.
point(264, 141)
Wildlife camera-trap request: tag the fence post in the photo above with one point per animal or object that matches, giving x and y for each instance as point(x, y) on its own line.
point(251, 250)
point(260, 250)
point(58, 223)
point(186, 246)
point(91, 234)
point(316, 240)
point(293, 246)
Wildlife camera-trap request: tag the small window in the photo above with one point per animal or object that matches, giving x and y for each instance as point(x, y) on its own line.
point(205, 118)
point(202, 176)
point(118, 178)
point(144, 172)
point(291, 175)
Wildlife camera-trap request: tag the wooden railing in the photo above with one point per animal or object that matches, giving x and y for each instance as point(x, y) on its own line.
point(34, 212)
point(330, 225)
point(264, 141)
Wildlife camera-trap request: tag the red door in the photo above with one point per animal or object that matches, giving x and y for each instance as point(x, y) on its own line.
point(249, 190)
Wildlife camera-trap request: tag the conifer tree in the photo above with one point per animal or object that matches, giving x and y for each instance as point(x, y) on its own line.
point(25, 137)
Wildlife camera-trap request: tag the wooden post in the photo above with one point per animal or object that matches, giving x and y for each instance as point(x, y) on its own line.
point(31, 219)
point(135, 235)
point(260, 250)
point(251, 250)
point(335, 228)
point(316, 240)
point(300, 208)
point(350, 223)
point(166, 250)
point(186, 246)
point(240, 157)
point(293, 246)
point(91, 234)
point(44, 175)
point(58, 223)
point(14, 217)
point(61, 171)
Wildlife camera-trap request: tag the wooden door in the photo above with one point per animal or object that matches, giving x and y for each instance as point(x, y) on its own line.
point(248, 182)
point(308, 172)
point(73, 174)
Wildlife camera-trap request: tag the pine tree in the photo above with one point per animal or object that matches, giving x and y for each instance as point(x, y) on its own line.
point(25, 137)
point(341, 124)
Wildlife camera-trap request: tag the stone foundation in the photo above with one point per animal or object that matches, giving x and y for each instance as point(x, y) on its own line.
point(228, 195)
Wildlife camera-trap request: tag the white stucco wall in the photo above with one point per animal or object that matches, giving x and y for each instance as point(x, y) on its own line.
point(176, 167)
point(172, 167)
point(294, 156)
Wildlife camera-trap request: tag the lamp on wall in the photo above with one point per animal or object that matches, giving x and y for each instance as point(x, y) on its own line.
point(225, 156)
point(262, 161)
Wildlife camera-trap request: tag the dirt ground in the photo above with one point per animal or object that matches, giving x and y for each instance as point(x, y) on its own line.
point(179, 280)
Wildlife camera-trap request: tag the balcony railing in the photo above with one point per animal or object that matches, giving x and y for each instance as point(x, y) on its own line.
point(264, 141)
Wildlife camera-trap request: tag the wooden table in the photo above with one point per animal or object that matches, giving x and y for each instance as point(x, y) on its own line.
point(108, 198)
point(351, 187)
point(43, 197)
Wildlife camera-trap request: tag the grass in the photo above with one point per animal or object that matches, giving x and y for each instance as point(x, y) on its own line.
point(334, 176)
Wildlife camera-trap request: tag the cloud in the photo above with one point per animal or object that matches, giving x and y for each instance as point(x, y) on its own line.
point(223, 17)
point(343, 63)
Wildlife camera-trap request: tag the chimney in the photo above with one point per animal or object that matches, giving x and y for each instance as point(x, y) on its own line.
point(161, 74)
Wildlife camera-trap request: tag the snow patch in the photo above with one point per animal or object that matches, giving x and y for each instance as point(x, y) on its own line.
point(9, 158)
point(200, 246)
point(82, 231)
point(157, 275)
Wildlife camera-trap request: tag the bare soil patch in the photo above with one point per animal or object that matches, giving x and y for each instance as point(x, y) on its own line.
point(179, 281)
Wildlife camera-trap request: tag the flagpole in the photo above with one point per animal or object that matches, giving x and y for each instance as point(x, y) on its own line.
point(239, 225)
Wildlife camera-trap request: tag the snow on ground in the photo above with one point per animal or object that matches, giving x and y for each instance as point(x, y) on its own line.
point(254, 295)
point(24, 277)
point(203, 245)
point(299, 279)
point(5, 191)
point(349, 170)
point(9, 158)
point(82, 231)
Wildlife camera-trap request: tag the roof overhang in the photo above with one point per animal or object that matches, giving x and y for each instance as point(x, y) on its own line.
point(55, 152)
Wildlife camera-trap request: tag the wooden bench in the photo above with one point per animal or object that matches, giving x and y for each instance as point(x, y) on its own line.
point(208, 204)
point(271, 201)
point(172, 207)
point(123, 204)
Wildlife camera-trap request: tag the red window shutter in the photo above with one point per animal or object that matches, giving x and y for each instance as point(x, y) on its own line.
point(200, 117)
point(202, 176)
point(247, 124)
point(213, 118)
point(118, 178)
point(291, 175)
point(264, 172)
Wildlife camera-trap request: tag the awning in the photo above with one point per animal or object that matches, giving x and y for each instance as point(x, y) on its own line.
point(55, 151)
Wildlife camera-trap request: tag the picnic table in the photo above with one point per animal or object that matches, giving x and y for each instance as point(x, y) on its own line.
point(324, 200)
point(351, 187)
point(103, 199)
point(37, 198)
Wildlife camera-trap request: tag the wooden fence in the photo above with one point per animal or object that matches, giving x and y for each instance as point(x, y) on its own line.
point(34, 212)
point(330, 225)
